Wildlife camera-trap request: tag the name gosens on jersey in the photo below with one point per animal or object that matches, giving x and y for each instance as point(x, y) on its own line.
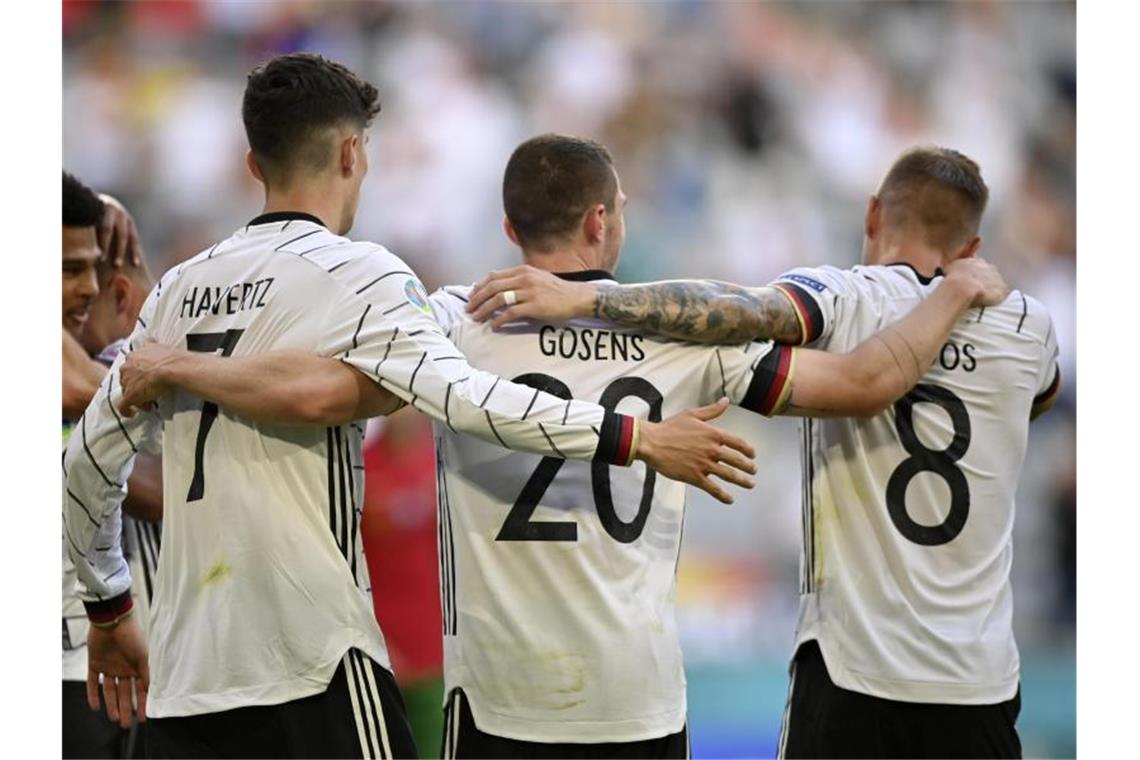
point(558, 577)
point(261, 586)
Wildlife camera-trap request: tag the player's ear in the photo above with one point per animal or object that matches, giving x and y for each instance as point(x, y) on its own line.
point(970, 249)
point(873, 218)
point(254, 169)
point(348, 154)
point(510, 230)
point(594, 224)
point(120, 287)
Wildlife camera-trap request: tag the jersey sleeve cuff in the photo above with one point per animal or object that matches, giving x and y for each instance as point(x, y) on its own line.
point(771, 386)
point(109, 610)
point(808, 313)
point(617, 442)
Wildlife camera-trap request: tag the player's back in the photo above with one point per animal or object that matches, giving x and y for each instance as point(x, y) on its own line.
point(558, 576)
point(909, 514)
point(261, 585)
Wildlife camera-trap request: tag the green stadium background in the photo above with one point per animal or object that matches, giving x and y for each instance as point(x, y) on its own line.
point(748, 137)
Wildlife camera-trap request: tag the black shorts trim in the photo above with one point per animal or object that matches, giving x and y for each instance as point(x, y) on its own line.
point(360, 715)
point(824, 720)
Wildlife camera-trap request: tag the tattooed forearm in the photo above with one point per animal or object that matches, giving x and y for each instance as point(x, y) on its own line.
point(705, 311)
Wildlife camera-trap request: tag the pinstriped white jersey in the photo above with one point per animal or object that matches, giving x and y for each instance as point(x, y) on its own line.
point(908, 515)
point(261, 586)
point(558, 578)
point(141, 541)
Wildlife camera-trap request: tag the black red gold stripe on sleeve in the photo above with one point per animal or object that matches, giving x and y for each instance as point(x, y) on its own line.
point(109, 610)
point(617, 440)
point(807, 310)
point(771, 384)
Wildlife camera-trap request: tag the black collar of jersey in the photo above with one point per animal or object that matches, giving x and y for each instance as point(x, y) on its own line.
point(921, 277)
point(284, 216)
point(585, 276)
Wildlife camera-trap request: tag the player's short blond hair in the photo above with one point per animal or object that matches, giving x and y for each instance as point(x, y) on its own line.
point(938, 192)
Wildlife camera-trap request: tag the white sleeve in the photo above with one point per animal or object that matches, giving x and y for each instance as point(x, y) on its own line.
point(385, 328)
point(1048, 371)
point(448, 305)
point(98, 460)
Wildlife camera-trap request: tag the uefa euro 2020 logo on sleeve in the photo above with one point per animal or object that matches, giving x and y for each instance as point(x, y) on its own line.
point(417, 295)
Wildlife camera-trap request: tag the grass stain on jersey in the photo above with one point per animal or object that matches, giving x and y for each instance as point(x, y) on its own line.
point(216, 574)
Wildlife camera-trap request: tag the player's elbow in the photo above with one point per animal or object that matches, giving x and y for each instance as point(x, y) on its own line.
point(318, 407)
point(76, 397)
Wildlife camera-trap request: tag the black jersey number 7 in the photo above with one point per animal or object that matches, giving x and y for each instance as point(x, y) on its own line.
point(207, 343)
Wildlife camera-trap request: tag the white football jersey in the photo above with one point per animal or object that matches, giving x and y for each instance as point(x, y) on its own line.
point(261, 586)
point(558, 578)
point(141, 541)
point(908, 515)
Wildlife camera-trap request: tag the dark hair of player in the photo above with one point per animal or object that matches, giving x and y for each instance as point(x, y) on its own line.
point(937, 191)
point(81, 206)
point(550, 182)
point(290, 107)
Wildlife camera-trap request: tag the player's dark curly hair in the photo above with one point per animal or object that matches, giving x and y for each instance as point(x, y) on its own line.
point(938, 191)
point(550, 182)
point(81, 205)
point(291, 102)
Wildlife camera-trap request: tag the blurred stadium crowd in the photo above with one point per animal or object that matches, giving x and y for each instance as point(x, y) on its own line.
point(748, 137)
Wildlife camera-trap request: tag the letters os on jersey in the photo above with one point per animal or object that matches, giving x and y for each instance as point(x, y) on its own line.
point(558, 577)
point(908, 515)
point(261, 586)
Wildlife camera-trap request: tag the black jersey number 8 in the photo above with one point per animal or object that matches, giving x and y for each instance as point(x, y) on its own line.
point(941, 462)
point(518, 525)
point(207, 343)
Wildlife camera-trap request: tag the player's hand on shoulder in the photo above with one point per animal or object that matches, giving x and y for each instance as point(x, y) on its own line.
point(981, 277)
point(142, 376)
point(686, 448)
point(524, 292)
point(117, 661)
point(118, 236)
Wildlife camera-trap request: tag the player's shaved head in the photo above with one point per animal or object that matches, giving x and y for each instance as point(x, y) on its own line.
point(550, 182)
point(937, 193)
point(293, 108)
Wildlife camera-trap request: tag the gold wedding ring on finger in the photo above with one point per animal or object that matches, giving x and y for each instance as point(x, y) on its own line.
point(510, 298)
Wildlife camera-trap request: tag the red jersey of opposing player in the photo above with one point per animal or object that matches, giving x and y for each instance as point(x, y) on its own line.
point(399, 533)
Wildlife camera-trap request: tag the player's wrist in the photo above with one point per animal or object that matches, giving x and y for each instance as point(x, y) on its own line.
point(176, 367)
point(962, 287)
point(107, 613)
point(619, 439)
point(592, 299)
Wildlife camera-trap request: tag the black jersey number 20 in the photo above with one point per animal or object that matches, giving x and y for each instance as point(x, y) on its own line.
point(207, 343)
point(518, 525)
point(939, 461)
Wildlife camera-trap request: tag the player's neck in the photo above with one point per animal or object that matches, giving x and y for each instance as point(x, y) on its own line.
point(325, 206)
point(564, 260)
point(925, 260)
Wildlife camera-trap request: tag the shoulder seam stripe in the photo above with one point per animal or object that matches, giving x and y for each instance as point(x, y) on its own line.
point(299, 237)
point(381, 277)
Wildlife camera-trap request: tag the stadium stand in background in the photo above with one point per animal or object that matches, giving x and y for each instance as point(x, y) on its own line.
point(747, 133)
